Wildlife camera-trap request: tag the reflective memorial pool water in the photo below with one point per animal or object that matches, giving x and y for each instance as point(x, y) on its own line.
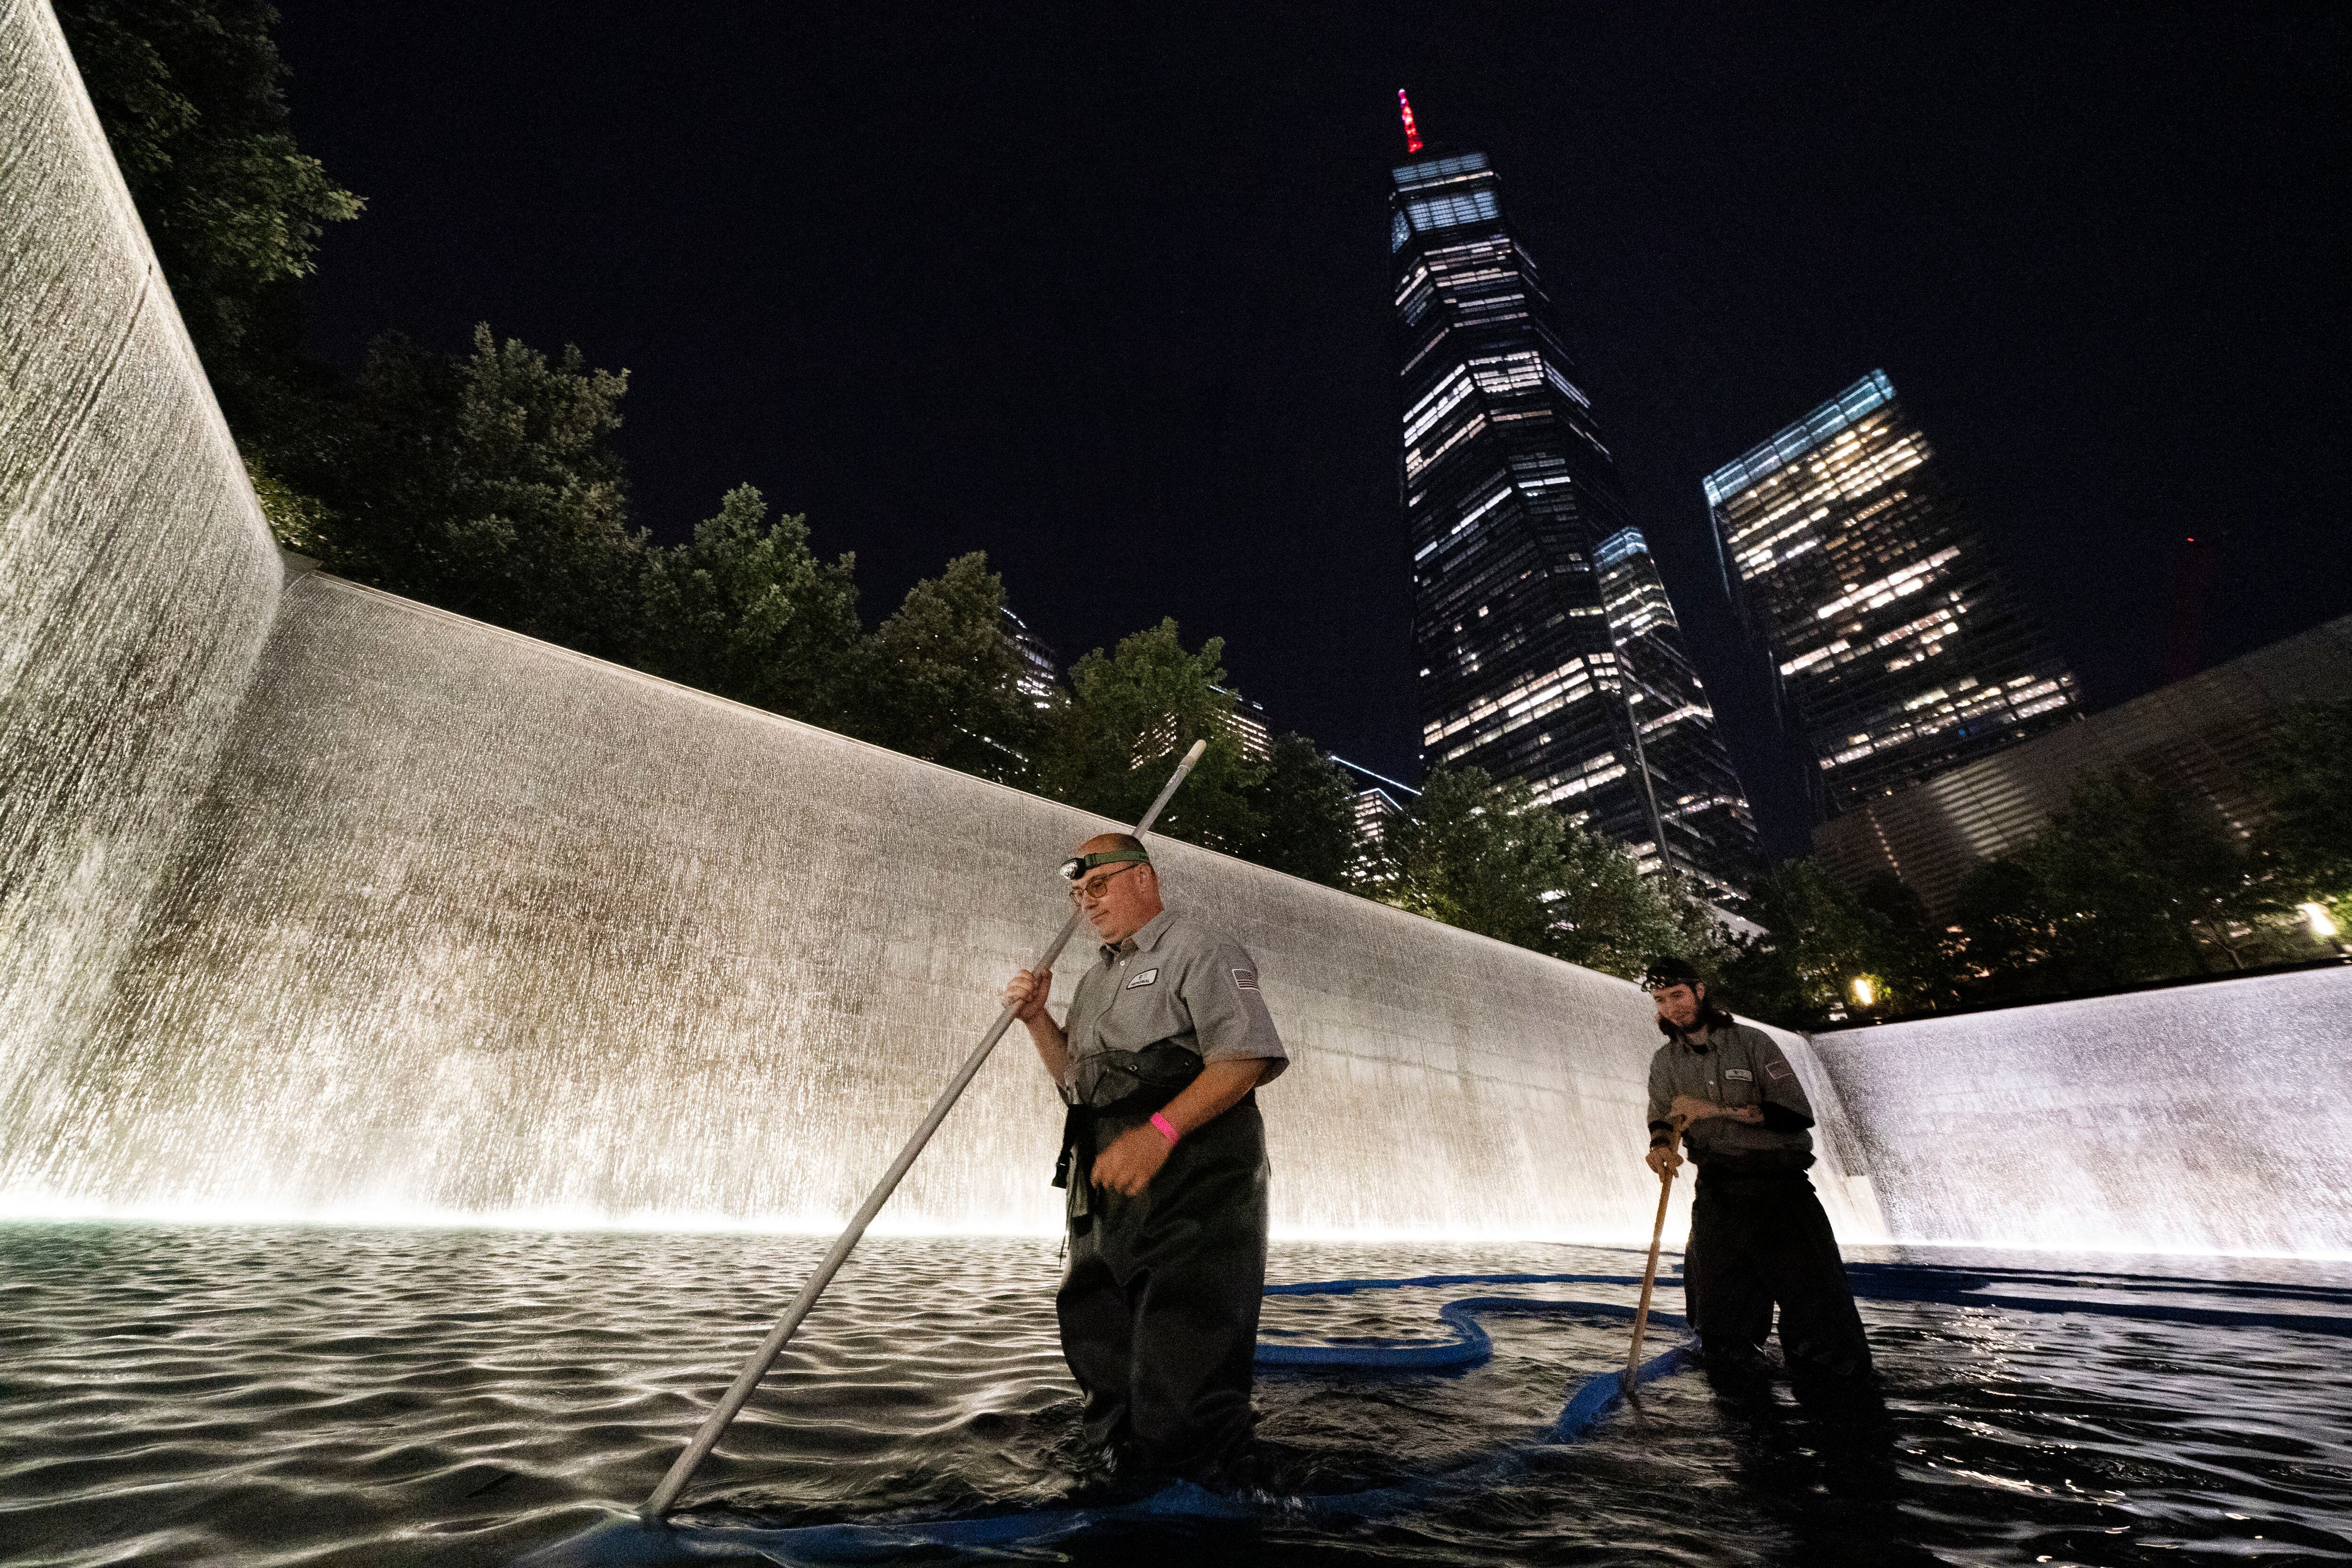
point(311, 1395)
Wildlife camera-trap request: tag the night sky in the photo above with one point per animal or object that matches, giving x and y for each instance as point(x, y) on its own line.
point(1103, 291)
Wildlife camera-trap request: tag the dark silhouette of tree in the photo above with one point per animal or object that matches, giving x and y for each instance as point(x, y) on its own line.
point(191, 95)
point(2305, 774)
point(747, 610)
point(942, 681)
point(1308, 808)
point(1483, 856)
point(488, 485)
point(1143, 703)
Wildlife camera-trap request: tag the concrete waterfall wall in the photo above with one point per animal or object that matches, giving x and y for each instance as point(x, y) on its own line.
point(137, 577)
point(469, 926)
point(2201, 1118)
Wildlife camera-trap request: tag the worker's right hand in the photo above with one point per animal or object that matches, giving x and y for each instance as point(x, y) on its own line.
point(1665, 1159)
point(1025, 996)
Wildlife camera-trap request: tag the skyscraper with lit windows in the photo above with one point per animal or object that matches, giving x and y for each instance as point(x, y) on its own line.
point(1548, 651)
point(1901, 650)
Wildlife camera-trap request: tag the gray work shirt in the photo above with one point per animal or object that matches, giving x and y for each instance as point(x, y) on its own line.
point(1175, 980)
point(1738, 1067)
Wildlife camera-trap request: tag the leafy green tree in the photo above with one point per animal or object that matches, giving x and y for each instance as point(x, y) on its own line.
point(2144, 884)
point(1483, 856)
point(1308, 810)
point(191, 95)
point(2306, 776)
point(2011, 947)
point(944, 680)
point(1137, 709)
point(1478, 855)
point(1910, 957)
point(1609, 917)
point(486, 485)
point(748, 611)
point(1819, 939)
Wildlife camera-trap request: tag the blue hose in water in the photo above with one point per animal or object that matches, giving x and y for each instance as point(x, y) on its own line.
point(635, 1541)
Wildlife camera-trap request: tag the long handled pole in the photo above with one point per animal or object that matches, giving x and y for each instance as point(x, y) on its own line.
point(715, 1426)
point(1650, 1273)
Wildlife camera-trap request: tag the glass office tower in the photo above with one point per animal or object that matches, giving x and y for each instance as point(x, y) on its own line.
point(1547, 648)
point(1901, 650)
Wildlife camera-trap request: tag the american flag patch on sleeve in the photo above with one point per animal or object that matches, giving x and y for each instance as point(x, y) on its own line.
point(1244, 979)
point(1776, 1071)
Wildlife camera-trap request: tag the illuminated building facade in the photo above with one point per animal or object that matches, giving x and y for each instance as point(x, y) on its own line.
point(1901, 650)
point(1548, 652)
point(1041, 671)
point(1379, 800)
point(1245, 722)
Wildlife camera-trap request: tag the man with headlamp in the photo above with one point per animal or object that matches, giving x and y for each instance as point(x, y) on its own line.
point(1163, 1160)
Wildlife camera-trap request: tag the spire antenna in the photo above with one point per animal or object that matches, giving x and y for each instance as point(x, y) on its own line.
point(1412, 136)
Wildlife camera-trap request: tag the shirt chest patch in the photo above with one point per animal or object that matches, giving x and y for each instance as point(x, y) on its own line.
point(1145, 978)
point(1740, 1075)
point(1244, 979)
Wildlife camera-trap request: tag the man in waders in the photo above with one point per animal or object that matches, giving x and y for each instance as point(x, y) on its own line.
point(1163, 1159)
point(1758, 1232)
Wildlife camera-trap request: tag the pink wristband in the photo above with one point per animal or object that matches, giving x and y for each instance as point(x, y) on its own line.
point(1167, 1128)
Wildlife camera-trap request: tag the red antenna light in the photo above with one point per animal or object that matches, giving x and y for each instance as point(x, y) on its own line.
point(1412, 136)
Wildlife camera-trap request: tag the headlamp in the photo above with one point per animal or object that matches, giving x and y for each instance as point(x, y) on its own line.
point(1078, 866)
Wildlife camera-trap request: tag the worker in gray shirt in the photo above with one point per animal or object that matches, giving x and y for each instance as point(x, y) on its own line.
point(1758, 1236)
point(1163, 1162)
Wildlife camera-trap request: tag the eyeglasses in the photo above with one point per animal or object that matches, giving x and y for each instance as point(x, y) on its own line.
point(1092, 888)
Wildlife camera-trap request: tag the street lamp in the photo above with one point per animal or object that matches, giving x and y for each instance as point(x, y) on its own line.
point(2323, 924)
point(1866, 994)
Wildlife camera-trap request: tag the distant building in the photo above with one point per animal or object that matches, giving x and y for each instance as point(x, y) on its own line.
point(1245, 722)
point(1249, 728)
point(1900, 650)
point(1040, 669)
point(1697, 794)
point(1378, 796)
point(1538, 660)
point(2198, 737)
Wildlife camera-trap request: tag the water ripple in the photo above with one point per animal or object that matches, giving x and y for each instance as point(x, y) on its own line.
point(310, 1395)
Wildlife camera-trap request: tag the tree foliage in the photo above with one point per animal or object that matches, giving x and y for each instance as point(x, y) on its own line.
point(487, 484)
point(2136, 880)
point(1478, 855)
point(1147, 700)
point(2305, 773)
point(944, 682)
point(747, 610)
point(2142, 882)
point(1821, 937)
point(1484, 856)
point(191, 95)
point(1306, 806)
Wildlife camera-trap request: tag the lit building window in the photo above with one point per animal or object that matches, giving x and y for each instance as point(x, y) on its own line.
point(1549, 653)
point(1894, 633)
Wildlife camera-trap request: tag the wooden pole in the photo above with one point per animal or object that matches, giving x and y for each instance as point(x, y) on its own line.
point(731, 1404)
point(1650, 1273)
